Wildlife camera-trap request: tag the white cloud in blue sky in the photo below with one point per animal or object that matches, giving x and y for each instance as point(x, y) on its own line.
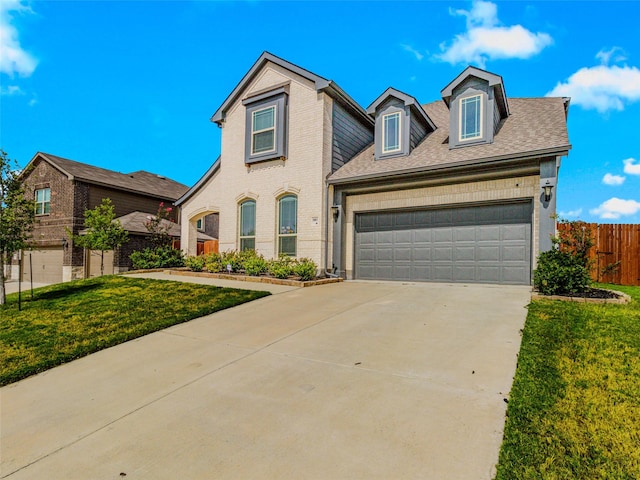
point(610, 179)
point(416, 53)
point(603, 87)
point(13, 58)
point(631, 167)
point(614, 208)
point(571, 213)
point(486, 39)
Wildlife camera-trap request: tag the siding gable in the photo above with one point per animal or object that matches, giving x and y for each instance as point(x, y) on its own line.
point(349, 137)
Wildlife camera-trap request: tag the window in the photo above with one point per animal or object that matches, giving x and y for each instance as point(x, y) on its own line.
point(263, 130)
point(391, 133)
point(43, 201)
point(199, 224)
point(287, 225)
point(266, 125)
point(248, 225)
point(471, 118)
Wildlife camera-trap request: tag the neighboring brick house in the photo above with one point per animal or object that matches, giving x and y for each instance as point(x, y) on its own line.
point(458, 190)
point(63, 189)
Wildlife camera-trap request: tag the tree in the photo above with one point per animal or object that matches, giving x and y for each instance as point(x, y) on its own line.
point(17, 215)
point(159, 227)
point(103, 231)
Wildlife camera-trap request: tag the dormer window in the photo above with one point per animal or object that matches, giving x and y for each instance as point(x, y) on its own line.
point(471, 118)
point(391, 126)
point(263, 130)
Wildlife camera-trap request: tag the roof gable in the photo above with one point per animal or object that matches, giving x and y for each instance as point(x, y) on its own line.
point(408, 100)
point(492, 79)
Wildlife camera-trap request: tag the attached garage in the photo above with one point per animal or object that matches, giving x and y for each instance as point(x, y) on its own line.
point(94, 262)
point(46, 263)
point(464, 244)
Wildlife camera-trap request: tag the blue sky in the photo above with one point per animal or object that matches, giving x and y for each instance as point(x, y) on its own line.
point(131, 85)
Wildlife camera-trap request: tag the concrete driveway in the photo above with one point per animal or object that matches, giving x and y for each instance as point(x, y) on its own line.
point(342, 381)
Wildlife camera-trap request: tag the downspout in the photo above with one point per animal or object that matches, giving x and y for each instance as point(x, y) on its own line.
point(329, 217)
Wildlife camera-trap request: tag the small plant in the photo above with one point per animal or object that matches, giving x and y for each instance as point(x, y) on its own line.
point(255, 266)
point(281, 267)
point(213, 263)
point(160, 257)
point(306, 269)
point(195, 264)
point(560, 273)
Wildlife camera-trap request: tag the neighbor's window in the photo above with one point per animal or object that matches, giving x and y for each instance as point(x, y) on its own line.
point(391, 133)
point(263, 130)
point(287, 225)
point(199, 224)
point(43, 201)
point(248, 225)
point(470, 118)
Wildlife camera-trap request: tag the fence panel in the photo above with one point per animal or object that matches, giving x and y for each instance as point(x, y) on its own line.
point(616, 253)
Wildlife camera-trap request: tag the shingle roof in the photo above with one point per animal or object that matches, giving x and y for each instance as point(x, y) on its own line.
point(140, 181)
point(535, 126)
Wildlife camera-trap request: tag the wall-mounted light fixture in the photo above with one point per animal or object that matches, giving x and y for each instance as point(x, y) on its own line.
point(65, 243)
point(547, 187)
point(335, 210)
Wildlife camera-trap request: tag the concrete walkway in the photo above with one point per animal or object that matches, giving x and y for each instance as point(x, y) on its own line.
point(342, 381)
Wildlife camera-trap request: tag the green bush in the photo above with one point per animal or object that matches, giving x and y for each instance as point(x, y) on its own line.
point(213, 263)
point(195, 264)
point(281, 267)
point(305, 268)
point(255, 265)
point(159, 257)
point(561, 272)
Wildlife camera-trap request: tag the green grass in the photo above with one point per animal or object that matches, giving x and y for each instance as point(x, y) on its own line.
point(70, 320)
point(574, 410)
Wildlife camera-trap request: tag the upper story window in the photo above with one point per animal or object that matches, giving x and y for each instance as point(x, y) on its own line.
point(263, 130)
point(288, 225)
point(471, 118)
point(248, 225)
point(43, 201)
point(266, 125)
point(391, 125)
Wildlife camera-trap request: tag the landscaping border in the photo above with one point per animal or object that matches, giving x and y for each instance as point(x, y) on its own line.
point(622, 299)
point(242, 278)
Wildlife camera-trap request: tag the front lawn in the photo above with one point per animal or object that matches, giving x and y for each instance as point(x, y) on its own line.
point(574, 410)
point(70, 320)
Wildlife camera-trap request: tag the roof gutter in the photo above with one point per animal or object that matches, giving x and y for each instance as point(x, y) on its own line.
point(497, 160)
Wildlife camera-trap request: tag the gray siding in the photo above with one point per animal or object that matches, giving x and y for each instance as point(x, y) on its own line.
point(349, 137)
point(418, 132)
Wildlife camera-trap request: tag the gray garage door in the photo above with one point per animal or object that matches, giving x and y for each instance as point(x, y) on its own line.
point(473, 244)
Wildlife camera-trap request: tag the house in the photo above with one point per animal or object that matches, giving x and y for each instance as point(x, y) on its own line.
point(462, 189)
point(63, 189)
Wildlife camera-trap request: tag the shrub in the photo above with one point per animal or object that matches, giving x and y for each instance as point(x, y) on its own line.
point(561, 272)
point(159, 257)
point(196, 264)
point(255, 265)
point(213, 263)
point(281, 267)
point(305, 268)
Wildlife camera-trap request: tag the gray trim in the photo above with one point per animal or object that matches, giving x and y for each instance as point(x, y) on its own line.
point(204, 179)
point(408, 101)
point(266, 93)
point(547, 220)
point(280, 102)
point(390, 107)
point(492, 79)
point(487, 108)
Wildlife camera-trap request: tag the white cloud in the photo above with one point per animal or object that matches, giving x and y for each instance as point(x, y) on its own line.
point(610, 179)
point(11, 90)
point(486, 39)
point(13, 58)
point(615, 208)
point(630, 167)
point(601, 88)
point(416, 53)
point(571, 213)
point(616, 54)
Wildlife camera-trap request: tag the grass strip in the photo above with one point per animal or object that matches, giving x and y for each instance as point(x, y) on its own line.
point(574, 409)
point(70, 320)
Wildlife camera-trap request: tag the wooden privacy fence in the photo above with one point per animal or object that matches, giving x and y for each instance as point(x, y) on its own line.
point(613, 244)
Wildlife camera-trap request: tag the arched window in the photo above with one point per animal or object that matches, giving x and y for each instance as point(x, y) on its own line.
point(247, 225)
point(287, 225)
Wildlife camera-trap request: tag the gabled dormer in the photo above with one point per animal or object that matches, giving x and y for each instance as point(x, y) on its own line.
point(477, 104)
point(400, 124)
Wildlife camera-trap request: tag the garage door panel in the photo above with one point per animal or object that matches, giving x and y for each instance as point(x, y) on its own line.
point(488, 244)
point(47, 265)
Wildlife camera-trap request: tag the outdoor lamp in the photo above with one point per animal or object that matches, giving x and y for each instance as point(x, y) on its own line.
point(547, 191)
point(335, 209)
